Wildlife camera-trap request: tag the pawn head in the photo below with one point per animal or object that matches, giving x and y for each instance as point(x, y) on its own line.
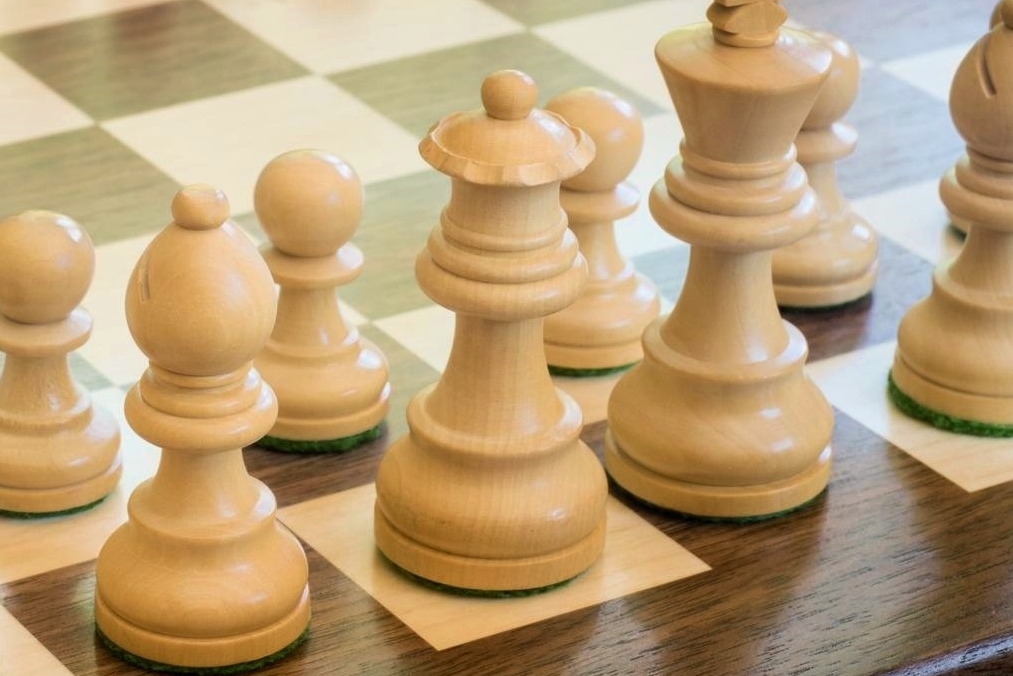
point(309, 202)
point(841, 87)
point(616, 129)
point(48, 265)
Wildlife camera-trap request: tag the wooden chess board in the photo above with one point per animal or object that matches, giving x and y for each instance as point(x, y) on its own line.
point(903, 566)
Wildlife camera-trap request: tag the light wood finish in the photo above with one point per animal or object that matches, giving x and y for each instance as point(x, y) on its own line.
point(31, 544)
point(58, 450)
point(201, 575)
point(958, 220)
point(591, 394)
point(969, 315)
point(492, 488)
point(836, 263)
point(719, 420)
point(974, 463)
point(636, 557)
point(331, 383)
point(602, 328)
point(746, 23)
point(894, 570)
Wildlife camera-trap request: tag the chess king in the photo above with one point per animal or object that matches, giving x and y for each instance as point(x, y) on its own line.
point(719, 419)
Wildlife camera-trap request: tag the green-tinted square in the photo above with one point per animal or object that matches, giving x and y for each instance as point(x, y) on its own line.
point(418, 91)
point(132, 61)
point(535, 12)
point(408, 375)
point(398, 217)
point(91, 177)
point(665, 267)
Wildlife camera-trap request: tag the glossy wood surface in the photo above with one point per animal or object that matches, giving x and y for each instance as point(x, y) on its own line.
point(893, 570)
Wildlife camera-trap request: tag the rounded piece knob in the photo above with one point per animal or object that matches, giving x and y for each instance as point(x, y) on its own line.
point(509, 95)
point(200, 207)
point(48, 265)
point(616, 129)
point(308, 202)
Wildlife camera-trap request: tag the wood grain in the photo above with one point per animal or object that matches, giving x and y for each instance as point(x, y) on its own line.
point(894, 570)
point(888, 567)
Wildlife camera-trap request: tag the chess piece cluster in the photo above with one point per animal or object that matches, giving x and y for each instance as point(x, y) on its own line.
point(969, 315)
point(719, 419)
point(492, 489)
point(201, 576)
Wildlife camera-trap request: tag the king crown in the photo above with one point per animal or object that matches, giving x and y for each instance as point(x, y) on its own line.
point(746, 23)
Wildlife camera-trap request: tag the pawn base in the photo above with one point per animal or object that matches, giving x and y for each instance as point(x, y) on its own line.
point(329, 434)
point(570, 372)
point(487, 577)
point(60, 500)
point(45, 515)
point(717, 502)
point(835, 264)
point(600, 333)
point(825, 296)
point(339, 445)
point(69, 468)
point(570, 359)
point(189, 654)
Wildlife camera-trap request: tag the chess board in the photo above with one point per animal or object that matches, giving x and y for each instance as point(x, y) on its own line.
point(903, 566)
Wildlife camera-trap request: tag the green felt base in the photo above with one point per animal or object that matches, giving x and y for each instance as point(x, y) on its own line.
point(715, 519)
point(827, 309)
point(918, 411)
point(479, 593)
point(323, 446)
point(588, 373)
point(242, 667)
point(46, 515)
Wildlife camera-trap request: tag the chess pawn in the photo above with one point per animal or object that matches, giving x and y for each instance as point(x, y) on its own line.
point(201, 576)
point(331, 383)
point(492, 489)
point(953, 364)
point(719, 419)
point(59, 452)
point(601, 331)
point(837, 262)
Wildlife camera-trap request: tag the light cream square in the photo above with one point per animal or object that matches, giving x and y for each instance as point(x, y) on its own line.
point(227, 140)
point(330, 36)
point(637, 556)
point(856, 384)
